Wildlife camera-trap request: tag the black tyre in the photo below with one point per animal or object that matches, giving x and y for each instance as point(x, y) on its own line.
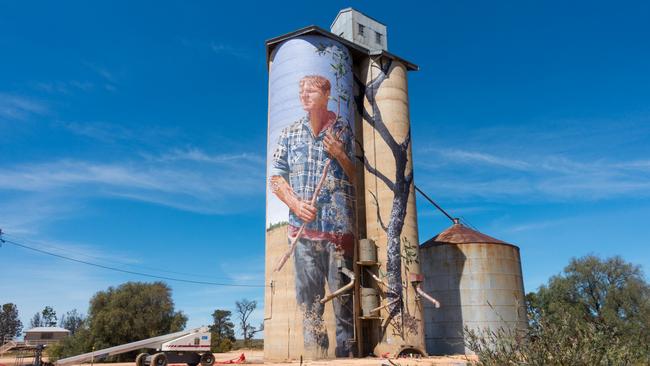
point(159, 359)
point(207, 359)
point(139, 360)
point(192, 364)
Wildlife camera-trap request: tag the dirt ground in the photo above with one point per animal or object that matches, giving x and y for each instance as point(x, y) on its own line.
point(256, 357)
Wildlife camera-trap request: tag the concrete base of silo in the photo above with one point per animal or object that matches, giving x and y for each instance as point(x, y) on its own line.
point(283, 319)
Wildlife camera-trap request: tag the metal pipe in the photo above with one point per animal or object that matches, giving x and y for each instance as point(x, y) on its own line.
point(384, 322)
point(343, 289)
point(271, 302)
point(381, 282)
point(435, 302)
point(384, 306)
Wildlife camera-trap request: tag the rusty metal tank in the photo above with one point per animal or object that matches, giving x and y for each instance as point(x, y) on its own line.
point(478, 281)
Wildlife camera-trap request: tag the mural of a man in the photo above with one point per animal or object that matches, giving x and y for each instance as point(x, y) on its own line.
point(327, 241)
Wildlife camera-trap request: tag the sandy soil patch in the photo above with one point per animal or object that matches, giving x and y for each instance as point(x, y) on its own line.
point(256, 357)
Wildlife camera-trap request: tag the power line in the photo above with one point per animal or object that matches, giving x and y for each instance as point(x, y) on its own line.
point(467, 223)
point(126, 271)
point(77, 253)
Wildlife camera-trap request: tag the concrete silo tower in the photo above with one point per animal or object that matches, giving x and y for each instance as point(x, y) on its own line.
point(341, 245)
point(478, 280)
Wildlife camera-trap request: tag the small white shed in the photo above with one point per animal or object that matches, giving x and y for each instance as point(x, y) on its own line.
point(45, 335)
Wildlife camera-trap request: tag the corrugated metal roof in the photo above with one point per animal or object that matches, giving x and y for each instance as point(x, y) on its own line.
point(461, 234)
point(47, 329)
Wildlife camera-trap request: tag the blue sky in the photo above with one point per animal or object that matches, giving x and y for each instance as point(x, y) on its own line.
point(134, 135)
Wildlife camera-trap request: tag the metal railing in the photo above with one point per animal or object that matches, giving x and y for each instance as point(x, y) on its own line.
point(6, 346)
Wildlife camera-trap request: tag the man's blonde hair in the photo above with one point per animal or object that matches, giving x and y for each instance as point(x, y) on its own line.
point(317, 81)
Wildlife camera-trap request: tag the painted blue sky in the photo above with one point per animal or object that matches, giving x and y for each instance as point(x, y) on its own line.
point(134, 136)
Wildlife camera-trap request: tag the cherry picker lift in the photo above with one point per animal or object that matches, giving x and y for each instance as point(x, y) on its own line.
point(190, 346)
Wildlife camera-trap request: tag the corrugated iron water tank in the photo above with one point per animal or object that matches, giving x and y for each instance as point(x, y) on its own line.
point(477, 280)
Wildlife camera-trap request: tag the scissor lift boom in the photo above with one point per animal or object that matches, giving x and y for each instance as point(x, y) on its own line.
point(189, 346)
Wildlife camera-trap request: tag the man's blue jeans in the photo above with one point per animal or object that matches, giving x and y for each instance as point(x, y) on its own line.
point(317, 261)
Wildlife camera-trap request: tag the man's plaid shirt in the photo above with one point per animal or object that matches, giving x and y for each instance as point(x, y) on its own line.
point(300, 158)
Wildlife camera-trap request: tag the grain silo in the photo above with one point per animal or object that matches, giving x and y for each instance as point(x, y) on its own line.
point(479, 282)
point(340, 175)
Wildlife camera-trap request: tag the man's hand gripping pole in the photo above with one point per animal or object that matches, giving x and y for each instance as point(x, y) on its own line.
point(294, 241)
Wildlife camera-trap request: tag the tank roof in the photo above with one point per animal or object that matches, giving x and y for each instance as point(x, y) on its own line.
point(461, 234)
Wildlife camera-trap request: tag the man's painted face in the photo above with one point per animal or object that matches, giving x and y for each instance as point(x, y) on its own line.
point(313, 98)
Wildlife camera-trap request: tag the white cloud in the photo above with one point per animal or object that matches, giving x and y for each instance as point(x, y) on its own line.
point(464, 156)
point(113, 132)
point(427, 211)
point(102, 131)
point(197, 155)
point(188, 180)
point(110, 80)
point(218, 48)
point(27, 285)
point(536, 225)
point(464, 173)
point(27, 213)
point(14, 107)
point(63, 87)
point(250, 270)
point(103, 72)
point(80, 251)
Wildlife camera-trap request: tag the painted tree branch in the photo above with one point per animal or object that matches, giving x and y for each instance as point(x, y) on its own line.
point(375, 120)
point(381, 222)
point(409, 178)
point(407, 140)
point(400, 186)
point(372, 169)
point(378, 174)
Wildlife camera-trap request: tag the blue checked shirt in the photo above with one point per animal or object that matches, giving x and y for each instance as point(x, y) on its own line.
point(300, 158)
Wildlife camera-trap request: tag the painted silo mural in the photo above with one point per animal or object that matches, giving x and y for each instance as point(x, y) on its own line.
point(310, 191)
point(391, 218)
